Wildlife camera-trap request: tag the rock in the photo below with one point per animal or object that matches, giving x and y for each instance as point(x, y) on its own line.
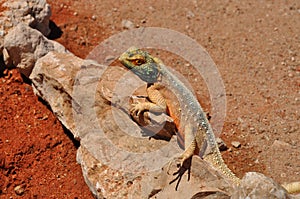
point(24, 46)
point(92, 101)
point(117, 160)
point(256, 185)
point(53, 78)
point(235, 144)
point(20, 189)
point(221, 144)
point(106, 182)
point(126, 24)
point(34, 13)
point(190, 14)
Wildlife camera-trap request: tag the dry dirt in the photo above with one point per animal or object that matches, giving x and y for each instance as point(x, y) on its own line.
point(255, 45)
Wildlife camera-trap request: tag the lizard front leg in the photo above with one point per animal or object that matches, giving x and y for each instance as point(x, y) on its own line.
point(157, 104)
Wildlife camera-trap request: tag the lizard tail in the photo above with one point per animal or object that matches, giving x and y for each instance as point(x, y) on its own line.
point(217, 161)
point(293, 187)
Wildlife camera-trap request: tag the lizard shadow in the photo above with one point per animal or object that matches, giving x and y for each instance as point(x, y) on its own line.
point(181, 171)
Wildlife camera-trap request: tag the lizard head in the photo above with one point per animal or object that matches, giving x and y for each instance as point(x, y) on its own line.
point(141, 63)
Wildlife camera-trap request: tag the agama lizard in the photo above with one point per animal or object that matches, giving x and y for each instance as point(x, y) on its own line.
point(198, 132)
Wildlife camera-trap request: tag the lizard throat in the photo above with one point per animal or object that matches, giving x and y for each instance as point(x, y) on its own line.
point(147, 72)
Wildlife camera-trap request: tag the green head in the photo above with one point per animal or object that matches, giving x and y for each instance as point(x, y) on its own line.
point(141, 63)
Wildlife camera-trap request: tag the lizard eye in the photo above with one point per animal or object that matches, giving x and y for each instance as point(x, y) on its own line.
point(138, 62)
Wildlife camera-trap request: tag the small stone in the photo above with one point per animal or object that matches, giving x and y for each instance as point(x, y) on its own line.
point(240, 120)
point(283, 175)
point(75, 13)
point(74, 28)
point(151, 8)
point(126, 24)
point(190, 14)
point(236, 144)
point(221, 144)
point(20, 189)
point(94, 17)
point(252, 129)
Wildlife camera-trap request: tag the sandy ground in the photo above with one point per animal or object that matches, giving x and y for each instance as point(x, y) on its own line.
point(255, 45)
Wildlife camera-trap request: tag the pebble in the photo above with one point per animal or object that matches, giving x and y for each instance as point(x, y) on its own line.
point(20, 189)
point(190, 14)
point(94, 17)
point(293, 59)
point(236, 144)
point(221, 144)
point(126, 24)
point(252, 129)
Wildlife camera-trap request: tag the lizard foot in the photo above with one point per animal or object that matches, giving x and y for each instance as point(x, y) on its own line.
point(183, 165)
point(137, 108)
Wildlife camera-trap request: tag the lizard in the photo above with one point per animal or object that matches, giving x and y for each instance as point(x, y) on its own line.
point(198, 131)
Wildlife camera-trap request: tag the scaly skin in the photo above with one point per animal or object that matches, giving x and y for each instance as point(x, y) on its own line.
point(198, 132)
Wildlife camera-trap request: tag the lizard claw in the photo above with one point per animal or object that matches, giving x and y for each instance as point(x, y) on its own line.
point(183, 165)
point(179, 162)
point(137, 109)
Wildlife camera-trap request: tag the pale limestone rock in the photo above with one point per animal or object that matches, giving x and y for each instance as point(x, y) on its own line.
point(92, 101)
point(126, 24)
point(116, 159)
point(53, 78)
point(106, 182)
point(34, 13)
point(256, 186)
point(24, 46)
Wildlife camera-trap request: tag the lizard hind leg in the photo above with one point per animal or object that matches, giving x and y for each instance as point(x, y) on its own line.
point(185, 159)
point(187, 154)
point(185, 162)
point(190, 145)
